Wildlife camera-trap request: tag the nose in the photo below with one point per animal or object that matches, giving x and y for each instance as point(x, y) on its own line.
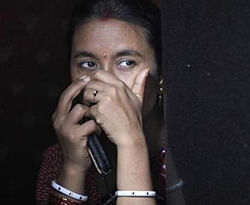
point(106, 61)
point(106, 66)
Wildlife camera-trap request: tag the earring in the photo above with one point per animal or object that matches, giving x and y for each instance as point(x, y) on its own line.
point(160, 91)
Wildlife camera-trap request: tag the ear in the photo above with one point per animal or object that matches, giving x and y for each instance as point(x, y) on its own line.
point(139, 85)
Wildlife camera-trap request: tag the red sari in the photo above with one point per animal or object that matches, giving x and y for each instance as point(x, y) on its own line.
point(53, 158)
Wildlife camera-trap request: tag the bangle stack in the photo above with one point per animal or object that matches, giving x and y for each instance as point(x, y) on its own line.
point(60, 200)
point(68, 192)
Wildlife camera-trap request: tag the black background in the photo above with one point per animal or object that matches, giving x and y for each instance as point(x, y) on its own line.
point(206, 66)
point(207, 50)
point(33, 72)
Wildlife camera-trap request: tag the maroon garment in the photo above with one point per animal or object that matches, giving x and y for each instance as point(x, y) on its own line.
point(49, 171)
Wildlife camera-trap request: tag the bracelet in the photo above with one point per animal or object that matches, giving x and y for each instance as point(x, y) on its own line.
point(175, 187)
point(59, 200)
point(69, 193)
point(136, 193)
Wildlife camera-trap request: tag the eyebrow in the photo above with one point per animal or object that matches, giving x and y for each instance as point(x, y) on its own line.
point(79, 54)
point(128, 53)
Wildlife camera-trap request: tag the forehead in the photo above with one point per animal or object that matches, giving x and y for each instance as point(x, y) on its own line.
point(109, 35)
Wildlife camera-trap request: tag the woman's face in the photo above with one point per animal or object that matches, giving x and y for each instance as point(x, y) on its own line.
point(117, 47)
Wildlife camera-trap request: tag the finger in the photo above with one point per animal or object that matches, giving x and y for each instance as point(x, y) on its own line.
point(65, 101)
point(92, 113)
point(91, 96)
point(106, 77)
point(76, 114)
point(139, 85)
point(89, 127)
point(97, 85)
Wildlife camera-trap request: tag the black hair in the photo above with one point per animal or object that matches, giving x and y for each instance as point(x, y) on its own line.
point(136, 12)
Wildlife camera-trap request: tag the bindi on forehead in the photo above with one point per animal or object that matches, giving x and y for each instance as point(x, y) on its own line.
point(104, 55)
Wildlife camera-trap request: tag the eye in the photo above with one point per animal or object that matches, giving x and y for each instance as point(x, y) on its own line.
point(87, 65)
point(125, 64)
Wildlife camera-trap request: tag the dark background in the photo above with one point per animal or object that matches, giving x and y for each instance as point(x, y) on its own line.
point(207, 69)
point(207, 49)
point(33, 72)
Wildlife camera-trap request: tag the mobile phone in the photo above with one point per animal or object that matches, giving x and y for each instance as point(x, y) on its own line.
point(98, 156)
point(95, 149)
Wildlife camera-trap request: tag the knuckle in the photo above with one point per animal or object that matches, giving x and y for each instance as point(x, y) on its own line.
point(113, 90)
point(56, 124)
point(98, 110)
point(78, 107)
point(71, 135)
point(121, 85)
point(84, 144)
point(108, 98)
point(98, 120)
point(64, 130)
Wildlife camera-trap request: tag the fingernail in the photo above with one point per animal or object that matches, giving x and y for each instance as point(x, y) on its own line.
point(82, 77)
point(85, 78)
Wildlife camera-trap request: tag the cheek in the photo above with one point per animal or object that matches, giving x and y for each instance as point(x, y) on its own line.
point(73, 73)
point(76, 73)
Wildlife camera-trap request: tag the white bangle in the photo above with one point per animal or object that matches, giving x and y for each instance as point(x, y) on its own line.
point(69, 193)
point(136, 193)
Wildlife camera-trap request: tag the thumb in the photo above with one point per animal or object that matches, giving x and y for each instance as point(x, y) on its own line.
point(139, 85)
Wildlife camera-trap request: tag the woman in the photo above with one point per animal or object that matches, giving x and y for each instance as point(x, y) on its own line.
point(115, 61)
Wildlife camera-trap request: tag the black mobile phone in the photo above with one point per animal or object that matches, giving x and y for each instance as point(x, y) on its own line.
point(95, 149)
point(98, 156)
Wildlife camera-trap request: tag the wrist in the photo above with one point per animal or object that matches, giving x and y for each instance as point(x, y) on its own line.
point(133, 151)
point(71, 166)
point(133, 168)
point(72, 177)
point(132, 140)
